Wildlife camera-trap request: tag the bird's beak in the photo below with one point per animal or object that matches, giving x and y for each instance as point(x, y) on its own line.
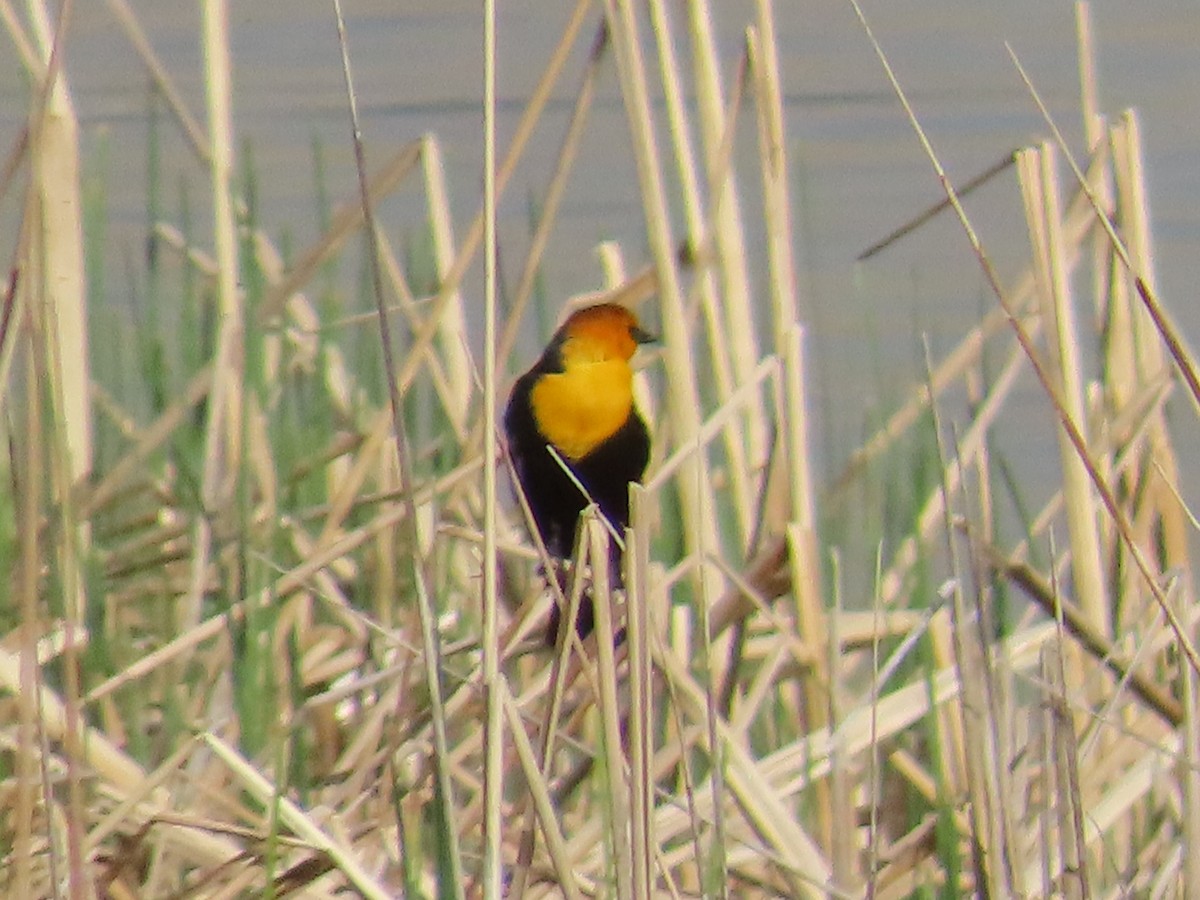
point(642, 336)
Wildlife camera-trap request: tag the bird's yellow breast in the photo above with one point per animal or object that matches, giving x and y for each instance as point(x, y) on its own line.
point(577, 410)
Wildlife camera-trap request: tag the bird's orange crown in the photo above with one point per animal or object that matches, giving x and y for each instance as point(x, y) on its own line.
point(604, 331)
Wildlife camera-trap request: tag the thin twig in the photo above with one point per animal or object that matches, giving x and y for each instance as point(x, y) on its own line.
point(430, 638)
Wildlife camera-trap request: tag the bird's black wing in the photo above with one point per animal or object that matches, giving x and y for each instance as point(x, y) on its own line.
point(554, 501)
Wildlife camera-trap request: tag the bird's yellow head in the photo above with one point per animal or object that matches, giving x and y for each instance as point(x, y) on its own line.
point(585, 392)
point(607, 331)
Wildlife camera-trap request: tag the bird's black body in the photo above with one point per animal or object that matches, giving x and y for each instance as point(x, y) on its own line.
point(605, 471)
point(554, 500)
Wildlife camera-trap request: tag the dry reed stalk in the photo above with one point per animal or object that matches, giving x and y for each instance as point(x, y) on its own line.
point(641, 631)
point(1189, 767)
point(543, 804)
point(1169, 332)
point(1129, 173)
point(58, 224)
point(803, 866)
point(1095, 131)
point(1043, 800)
point(50, 261)
point(700, 529)
point(1040, 190)
point(844, 850)
point(494, 684)
point(1110, 295)
point(1148, 691)
point(788, 341)
point(931, 513)
point(223, 451)
point(1183, 359)
point(802, 524)
point(1121, 367)
point(719, 835)
point(791, 767)
point(316, 835)
point(951, 735)
point(223, 448)
point(705, 287)
point(773, 168)
point(988, 836)
point(1113, 811)
point(1071, 801)
point(1134, 207)
point(25, 678)
point(22, 42)
point(728, 234)
point(614, 723)
point(553, 696)
point(873, 782)
point(386, 570)
point(452, 338)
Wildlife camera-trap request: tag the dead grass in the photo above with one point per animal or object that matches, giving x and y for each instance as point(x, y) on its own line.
point(264, 650)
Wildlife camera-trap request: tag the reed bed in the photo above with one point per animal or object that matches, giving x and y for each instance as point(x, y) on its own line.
point(273, 632)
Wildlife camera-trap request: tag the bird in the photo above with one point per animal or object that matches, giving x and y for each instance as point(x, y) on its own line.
point(578, 399)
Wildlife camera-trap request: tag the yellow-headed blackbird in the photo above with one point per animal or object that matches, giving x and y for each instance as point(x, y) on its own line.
point(578, 399)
